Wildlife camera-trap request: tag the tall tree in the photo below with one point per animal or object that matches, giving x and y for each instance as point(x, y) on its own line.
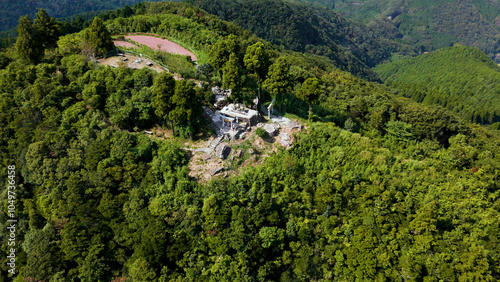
point(26, 45)
point(98, 38)
point(163, 90)
point(48, 29)
point(230, 74)
point(184, 101)
point(257, 60)
point(278, 80)
point(222, 50)
point(310, 92)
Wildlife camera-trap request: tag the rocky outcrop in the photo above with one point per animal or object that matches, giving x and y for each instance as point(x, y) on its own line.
point(222, 151)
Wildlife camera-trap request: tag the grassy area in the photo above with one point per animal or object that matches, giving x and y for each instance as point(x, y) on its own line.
point(174, 62)
point(201, 55)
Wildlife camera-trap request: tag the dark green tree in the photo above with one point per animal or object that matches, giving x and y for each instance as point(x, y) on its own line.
point(257, 60)
point(310, 92)
point(205, 69)
point(26, 45)
point(278, 81)
point(163, 90)
point(184, 101)
point(220, 52)
point(231, 74)
point(48, 30)
point(98, 39)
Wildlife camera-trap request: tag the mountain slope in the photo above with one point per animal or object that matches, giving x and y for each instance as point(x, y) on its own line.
point(429, 25)
point(405, 192)
point(461, 79)
point(305, 28)
point(11, 10)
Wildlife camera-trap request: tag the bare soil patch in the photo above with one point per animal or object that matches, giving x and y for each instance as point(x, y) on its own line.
point(254, 150)
point(130, 61)
point(124, 44)
point(156, 43)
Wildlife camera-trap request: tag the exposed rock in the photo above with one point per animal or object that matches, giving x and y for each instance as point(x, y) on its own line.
point(294, 125)
point(271, 128)
point(251, 151)
point(220, 91)
point(216, 170)
point(216, 142)
point(286, 140)
point(239, 153)
point(222, 151)
point(220, 96)
point(206, 157)
point(203, 150)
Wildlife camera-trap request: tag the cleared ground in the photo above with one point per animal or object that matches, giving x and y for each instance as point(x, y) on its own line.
point(124, 44)
point(130, 61)
point(156, 43)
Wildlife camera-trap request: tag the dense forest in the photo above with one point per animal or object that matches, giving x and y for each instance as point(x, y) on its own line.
point(377, 188)
point(353, 47)
point(11, 10)
point(428, 25)
point(461, 79)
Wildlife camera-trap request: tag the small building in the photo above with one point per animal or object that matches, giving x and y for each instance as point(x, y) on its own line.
point(236, 113)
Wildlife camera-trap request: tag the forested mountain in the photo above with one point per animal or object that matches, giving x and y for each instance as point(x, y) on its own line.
point(11, 10)
point(377, 188)
point(428, 25)
point(461, 79)
point(304, 28)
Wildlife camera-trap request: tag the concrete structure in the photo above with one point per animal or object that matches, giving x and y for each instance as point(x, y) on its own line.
point(237, 113)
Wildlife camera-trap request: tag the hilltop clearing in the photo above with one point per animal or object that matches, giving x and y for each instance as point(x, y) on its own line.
point(125, 44)
point(160, 44)
point(113, 178)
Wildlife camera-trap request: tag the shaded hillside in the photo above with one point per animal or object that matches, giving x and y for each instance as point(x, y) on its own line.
point(310, 29)
point(461, 79)
point(428, 25)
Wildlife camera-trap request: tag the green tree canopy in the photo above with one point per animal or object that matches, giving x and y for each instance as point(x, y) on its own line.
point(231, 74)
point(98, 38)
point(48, 29)
point(257, 60)
point(163, 90)
point(278, 80)
point(220, 52)
point(26, 45)
point(184, 101)
point(310, 92)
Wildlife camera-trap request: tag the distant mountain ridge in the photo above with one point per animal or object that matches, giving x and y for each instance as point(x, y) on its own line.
point(307, 28)
point(460, 78)
point(11, 10)
point(429, 25)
